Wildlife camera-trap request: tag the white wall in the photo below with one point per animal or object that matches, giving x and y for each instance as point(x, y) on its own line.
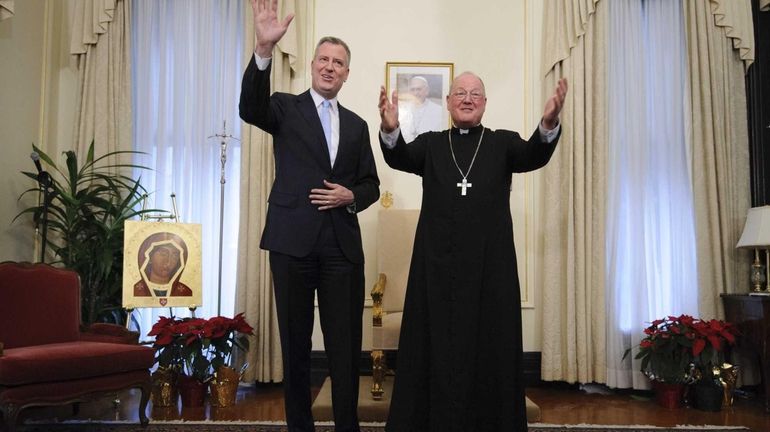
point(21, 51)
point(38, 86)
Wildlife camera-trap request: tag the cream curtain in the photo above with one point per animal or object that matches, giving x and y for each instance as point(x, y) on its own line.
point(101, 42)
point(6, 9)
point(573, 305)
point(734, 19)
point(764, 5)
point(254, 289)
point(720, 48)
point(575, 180)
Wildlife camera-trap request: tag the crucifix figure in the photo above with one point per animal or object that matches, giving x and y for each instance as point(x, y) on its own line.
point(464, 185)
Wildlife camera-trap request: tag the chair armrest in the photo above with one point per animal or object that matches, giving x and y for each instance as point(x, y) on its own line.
point(105, 332)
point(377, 292)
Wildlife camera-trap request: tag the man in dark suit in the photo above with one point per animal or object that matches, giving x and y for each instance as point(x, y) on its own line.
point(324, 175)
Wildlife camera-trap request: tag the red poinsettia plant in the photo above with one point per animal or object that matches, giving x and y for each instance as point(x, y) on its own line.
point(711, 339)
point(224, 335)
point(179, 346)
point(673, 346)
point(198, 346)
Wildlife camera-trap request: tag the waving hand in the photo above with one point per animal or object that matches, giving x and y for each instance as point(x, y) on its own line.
point(267, 28)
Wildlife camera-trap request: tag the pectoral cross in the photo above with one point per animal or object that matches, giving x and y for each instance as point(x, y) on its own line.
point(464, 185)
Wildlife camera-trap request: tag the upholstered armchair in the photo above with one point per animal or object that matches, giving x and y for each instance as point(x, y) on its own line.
point(47, 358)
point(395, 238)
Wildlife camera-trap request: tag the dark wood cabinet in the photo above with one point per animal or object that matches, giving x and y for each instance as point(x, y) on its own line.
point(751, 314)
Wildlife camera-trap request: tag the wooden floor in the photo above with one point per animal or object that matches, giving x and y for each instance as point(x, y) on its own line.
point(559, 403)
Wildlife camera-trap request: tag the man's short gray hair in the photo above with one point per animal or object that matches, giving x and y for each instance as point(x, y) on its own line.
point(334, 41)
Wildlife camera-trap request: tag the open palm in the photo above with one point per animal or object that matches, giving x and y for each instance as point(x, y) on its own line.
point(266, 25)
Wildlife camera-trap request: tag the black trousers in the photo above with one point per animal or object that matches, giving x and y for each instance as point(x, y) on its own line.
point(340, 287)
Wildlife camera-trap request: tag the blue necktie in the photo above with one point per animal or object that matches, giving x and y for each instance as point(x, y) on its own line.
point(326, 122)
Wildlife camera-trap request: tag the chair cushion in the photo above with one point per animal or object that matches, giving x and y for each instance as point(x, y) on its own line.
point(71, 360)
point(105, 332)
point(386, 337)
point(67, 391)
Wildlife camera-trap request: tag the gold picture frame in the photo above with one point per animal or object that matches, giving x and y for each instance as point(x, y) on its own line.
point(162, 265)
point(422, 90)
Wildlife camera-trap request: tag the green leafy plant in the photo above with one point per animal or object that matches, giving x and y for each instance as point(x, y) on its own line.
point(88, 208)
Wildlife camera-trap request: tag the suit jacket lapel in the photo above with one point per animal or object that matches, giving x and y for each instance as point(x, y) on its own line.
point(318, 145)
point(346, 132)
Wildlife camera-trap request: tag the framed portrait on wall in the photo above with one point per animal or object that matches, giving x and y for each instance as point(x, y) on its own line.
point(422, 89)
point(162, 265)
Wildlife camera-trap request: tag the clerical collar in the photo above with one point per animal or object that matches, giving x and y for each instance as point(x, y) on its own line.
point(473, 130)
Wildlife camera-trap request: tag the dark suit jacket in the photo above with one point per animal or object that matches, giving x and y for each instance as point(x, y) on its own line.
point(302, 163)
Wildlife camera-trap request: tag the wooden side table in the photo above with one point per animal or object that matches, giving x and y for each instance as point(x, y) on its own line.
point(751, 314)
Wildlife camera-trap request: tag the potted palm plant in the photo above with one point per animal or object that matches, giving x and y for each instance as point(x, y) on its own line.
point(85, 214)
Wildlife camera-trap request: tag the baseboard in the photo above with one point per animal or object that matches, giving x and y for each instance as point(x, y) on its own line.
point(320, 365)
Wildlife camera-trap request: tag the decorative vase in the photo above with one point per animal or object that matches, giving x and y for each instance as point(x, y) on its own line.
point(728, 377)
point(192, 391)
point(224, 387)
point(708, 395)
point(164, 390)
point(668, 395)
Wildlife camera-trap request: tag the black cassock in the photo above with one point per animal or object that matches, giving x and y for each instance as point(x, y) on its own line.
point(460, 349)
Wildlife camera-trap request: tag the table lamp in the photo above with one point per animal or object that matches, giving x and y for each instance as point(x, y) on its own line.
point(756, 234)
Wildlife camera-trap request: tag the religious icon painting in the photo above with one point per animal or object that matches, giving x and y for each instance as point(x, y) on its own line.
point(422, 90)
point(162, 265)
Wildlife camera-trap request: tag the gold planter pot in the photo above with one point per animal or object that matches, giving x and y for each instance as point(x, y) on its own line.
point(728, 376)
point(164, 389)
point(224, 387)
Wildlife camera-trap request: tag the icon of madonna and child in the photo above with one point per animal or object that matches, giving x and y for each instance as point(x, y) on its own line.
point(162, 258)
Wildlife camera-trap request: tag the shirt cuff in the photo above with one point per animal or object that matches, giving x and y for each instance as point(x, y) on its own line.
point(262, 63)
point(548, 135)
point(389, 139)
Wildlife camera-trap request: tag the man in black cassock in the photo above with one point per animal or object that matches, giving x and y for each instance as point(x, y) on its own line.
point(460, 349)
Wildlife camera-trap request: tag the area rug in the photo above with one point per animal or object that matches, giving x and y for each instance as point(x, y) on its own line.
point(190, 426)
point(542, 427)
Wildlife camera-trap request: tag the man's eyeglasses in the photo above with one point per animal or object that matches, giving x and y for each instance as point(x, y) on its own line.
point(462, 94)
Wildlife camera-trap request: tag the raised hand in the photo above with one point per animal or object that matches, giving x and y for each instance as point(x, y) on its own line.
point(388, 111)
point(267, 28)
point(554, 105)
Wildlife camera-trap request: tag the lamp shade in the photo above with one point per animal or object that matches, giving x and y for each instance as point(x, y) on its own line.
point(756, 232)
